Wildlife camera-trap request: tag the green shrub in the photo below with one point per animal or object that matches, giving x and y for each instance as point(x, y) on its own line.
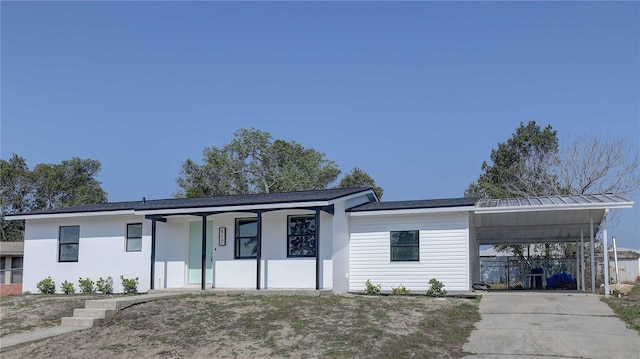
point(105, 285)
point(400, 290)
point(47, 286)
point(371, 289)
point(435, 288)
point(86, 285)
point(67, 287)
point(130, 285)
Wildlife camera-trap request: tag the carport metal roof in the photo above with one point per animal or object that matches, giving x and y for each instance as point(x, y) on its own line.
point(546, 219)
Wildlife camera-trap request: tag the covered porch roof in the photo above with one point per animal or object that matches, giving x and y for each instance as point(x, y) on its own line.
point(549, 219)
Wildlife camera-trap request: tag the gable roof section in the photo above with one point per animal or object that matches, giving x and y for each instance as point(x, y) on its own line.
point(324, 195)
point(415, 204)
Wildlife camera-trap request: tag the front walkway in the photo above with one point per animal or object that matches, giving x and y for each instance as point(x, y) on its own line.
point(550, 325)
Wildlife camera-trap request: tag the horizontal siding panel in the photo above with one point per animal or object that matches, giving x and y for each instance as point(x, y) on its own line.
point(443, 251)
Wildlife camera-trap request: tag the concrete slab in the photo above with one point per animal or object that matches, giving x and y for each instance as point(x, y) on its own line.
point(550, 325)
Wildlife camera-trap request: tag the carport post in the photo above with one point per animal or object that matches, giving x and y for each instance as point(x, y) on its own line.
point(577, 267)
point(606, 253)
point(582, 257)
point(593, 259)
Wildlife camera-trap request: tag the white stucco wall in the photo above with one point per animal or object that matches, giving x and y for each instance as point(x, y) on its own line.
point(444, 251)
point(101, 252)
point(277, 271)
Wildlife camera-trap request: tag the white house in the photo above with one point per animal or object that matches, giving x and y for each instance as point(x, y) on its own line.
point(333, 239)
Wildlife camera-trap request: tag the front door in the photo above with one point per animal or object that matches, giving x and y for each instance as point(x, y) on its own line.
point(195, 253)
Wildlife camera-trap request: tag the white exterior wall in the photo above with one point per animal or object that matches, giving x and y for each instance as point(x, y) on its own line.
point(277, 271)
point(474, 252)
point(101, 252)
point(444, 251)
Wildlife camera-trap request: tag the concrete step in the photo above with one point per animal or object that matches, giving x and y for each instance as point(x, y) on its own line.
point(78, 322)
point(101, 304)
point(92, 313)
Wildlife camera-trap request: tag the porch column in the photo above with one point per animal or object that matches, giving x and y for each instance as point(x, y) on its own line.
point(203, 267)
point(577, 267)
point(153, 253)
point(317, 239)
point(153, 248)
point(593, 261)
point(606, 253)
point(582, 258)
point(258, 249)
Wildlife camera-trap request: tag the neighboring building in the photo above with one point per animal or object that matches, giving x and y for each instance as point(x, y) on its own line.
point(334, 239)
point(11, 255)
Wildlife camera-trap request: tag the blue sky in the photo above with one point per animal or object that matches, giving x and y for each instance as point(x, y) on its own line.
point(415, 93)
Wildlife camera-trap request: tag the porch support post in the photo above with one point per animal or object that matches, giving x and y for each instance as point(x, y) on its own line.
point(577, 267)
point(606, 253)
point(593, 259)
point(203, 267)
point(582, 258)
point(258, 249)
point(153, 253)
point(317, 240)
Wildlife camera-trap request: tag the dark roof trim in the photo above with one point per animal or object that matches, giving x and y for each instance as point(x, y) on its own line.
point(324, 195)
point(415, 204)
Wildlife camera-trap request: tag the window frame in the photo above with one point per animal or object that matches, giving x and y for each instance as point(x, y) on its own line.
point(416, 246)
point(237, 238)
point(60, 244)
point(128, 237)
point(290, 236)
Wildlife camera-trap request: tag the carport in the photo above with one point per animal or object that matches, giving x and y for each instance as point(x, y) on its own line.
point(550, 219)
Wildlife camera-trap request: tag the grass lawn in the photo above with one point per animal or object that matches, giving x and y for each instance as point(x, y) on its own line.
point(628, 307)
point(243, 326)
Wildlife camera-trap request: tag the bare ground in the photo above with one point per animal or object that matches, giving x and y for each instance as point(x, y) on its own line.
point(243, 326)
point(20, 313)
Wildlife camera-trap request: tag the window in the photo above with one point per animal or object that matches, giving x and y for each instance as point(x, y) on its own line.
point(134, 237)
point(246, 240)
point(69, 242)
point(301, 237)
point(405, 246)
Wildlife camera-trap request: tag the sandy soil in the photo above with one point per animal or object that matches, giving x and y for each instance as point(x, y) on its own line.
point(238, 326)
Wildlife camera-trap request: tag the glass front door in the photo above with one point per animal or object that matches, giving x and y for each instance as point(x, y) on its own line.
point(195, 253)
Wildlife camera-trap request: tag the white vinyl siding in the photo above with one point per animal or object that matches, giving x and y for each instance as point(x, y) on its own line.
point(444, 251)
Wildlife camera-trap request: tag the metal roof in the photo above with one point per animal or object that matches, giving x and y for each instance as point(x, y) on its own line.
point(590, 199)
point(543, 219)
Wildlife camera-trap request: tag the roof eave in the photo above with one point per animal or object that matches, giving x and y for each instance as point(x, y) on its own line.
point(554, 207)
point(411, 211)
point(18, 217)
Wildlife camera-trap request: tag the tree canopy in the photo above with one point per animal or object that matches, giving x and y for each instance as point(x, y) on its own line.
point(255, 162)
point(520, 167)
point(359, 178)
point(533, 162)
point(69, 183)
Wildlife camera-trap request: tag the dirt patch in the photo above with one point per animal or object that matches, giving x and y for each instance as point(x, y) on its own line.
point(239, 326)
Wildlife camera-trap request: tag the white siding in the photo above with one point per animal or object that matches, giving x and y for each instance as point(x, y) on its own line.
point(444, 251)
point(101, 252)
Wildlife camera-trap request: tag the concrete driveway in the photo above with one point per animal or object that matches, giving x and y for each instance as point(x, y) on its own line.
point(550, 325)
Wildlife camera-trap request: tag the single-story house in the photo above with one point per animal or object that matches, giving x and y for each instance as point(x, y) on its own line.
point(332, 239)
point(11, 254)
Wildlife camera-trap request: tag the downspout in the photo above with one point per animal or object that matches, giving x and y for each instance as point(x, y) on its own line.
point(606, 253)
point(153, 253)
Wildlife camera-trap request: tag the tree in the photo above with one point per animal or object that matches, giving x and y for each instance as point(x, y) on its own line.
point(68, 183)
point(359, 178)
point(521, 167)
point(253, 162)
point(533, 163)
point(16, 193)
point(598, 164)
